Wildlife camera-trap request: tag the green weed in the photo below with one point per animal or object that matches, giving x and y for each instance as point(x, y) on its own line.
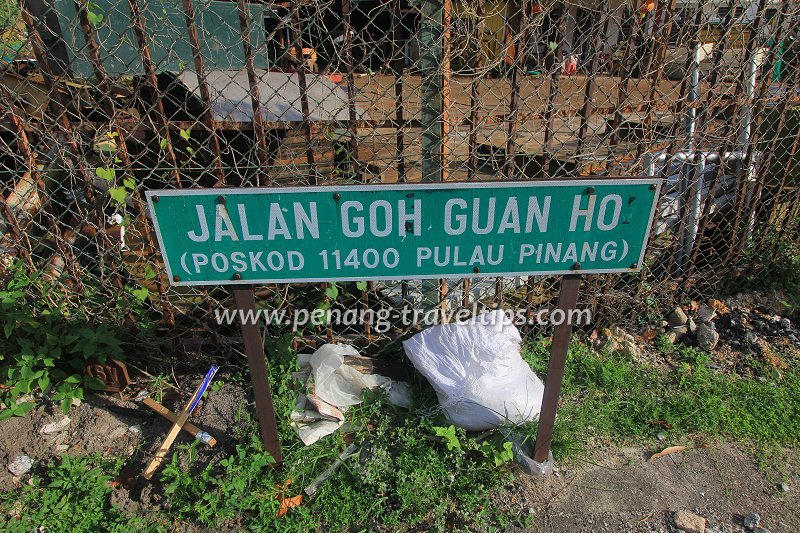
point(773, 264)
point(608, 395)
point(415, 470)
point(403, 475)
point(46, 344)
point(74, 495)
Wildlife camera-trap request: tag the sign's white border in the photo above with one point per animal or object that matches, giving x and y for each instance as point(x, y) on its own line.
point(403, 187)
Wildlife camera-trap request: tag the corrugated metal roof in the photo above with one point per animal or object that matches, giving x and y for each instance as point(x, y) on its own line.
point(279, 95)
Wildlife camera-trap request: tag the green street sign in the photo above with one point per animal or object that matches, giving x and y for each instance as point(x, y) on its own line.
point(408, 231)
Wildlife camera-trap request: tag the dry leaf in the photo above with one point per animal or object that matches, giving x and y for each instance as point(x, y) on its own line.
point(286, 503)
point(667, 451)
point(718, 306)
point(662, 423)
point(651, 334)
point(694, 306)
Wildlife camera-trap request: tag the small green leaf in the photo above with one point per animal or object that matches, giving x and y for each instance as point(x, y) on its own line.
point(361, 285)
point(162, 144)
point(89, 350)
point(118, 194)
point(141, 293)
point(449, 436)
point(186, 134)
point(129, 183)
point(332, 291)
point(24, 408)
point(106, 173)
point(149, 273)
point(95, 383)
point(94, 18)
point(106, 146)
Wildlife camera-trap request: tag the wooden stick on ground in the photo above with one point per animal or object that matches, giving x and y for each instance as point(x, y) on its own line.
point(175, 430)
point(188, 427)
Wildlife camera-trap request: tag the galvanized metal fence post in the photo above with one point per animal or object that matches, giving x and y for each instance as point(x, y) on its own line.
point(430, 60)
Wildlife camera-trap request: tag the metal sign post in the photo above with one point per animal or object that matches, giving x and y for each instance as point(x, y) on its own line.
point(567, 301)
point(248, 236)
point(254, 349)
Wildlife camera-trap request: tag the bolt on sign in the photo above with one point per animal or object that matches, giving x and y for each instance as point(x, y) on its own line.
point(408, 231)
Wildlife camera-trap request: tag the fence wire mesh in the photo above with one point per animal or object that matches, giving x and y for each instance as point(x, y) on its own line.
point(105, 99)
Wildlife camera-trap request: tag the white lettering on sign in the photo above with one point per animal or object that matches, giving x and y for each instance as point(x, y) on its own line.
point(254, 261)
point(381, 216)
point(448, 217)
point(414, 231)
point(577, 212)
point(484, 219)
point(607, 216)
point(305, 221)
point(246, 227)
point(224, 219)
point(601, 216)
point(567, 252)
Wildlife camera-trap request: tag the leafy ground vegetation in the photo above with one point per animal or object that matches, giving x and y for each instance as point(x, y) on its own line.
point(414, 469)
point(47, 339)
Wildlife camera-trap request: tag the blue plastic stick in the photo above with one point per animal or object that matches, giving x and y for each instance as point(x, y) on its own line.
point(204, 386)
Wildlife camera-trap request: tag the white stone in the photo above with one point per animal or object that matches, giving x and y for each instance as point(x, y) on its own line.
point(55, 427)
point(752, 521)
point(705, 314)
point(20, 465)
point(24, 399)
point(707, 337)
point(678, 317)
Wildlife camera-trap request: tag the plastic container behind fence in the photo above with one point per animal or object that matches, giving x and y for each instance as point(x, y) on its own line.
point(570, 65)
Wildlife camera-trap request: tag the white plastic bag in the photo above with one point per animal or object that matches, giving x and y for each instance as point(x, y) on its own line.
point(333, 387)
point(477, 371)
point(337, 383)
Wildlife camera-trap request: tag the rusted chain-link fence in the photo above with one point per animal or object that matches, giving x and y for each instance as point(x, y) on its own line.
point(105, 99)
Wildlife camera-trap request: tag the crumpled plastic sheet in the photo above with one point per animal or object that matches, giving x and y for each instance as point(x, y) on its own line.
point(333, 387)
